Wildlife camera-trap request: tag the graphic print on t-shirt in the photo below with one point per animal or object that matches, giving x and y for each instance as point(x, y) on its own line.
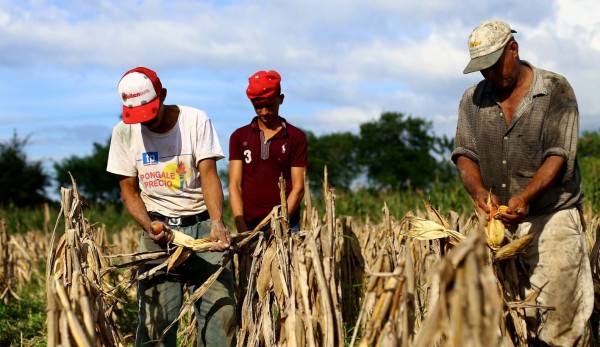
point(172, 175)
point(150, 158)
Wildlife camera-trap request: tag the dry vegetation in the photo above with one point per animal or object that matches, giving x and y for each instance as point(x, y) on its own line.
point(424, 280)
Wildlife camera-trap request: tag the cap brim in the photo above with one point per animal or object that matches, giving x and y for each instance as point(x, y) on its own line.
point(483, 62)
point(141, 114)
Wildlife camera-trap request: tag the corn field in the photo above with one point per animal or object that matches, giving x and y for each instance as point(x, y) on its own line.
point(423, 280)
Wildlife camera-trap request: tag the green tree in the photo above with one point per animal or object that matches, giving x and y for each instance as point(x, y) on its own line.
point(93, 181)
point(588, 154)
point(22, 183)
point(396, 151)
point(589, 144)
point(445, 170)
point(338, 152)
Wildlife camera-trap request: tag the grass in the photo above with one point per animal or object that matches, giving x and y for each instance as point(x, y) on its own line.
point(25, 319)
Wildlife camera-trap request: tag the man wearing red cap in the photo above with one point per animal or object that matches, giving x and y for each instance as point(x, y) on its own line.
point(165, 159)
point(516, 137)
point(262, 151)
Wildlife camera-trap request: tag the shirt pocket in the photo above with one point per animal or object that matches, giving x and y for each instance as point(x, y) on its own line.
point(529, 153)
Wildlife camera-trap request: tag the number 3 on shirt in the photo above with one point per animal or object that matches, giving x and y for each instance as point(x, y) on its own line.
point(248, 156)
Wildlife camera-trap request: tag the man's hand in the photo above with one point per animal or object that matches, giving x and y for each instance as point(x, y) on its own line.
point(516, 212)
point(160, 233)
point(481, 203)
point(219, 232)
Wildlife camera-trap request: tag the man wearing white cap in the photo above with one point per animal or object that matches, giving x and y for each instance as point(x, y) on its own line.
point(165, 159)
point(517, 136)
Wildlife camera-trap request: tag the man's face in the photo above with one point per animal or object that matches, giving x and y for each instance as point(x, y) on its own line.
point(154, 122)
point(268, 110)
point(502, 75)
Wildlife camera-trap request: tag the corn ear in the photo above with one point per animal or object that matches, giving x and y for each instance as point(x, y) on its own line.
point(181, 239)
point(515, 247)
point(494, 231)
point(424, 229)
point(198, 245)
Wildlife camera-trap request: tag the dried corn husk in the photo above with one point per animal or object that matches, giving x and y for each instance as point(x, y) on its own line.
point(424, 229)
point(515, 247)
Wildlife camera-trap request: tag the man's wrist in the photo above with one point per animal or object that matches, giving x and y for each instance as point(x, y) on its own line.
point(216, 224)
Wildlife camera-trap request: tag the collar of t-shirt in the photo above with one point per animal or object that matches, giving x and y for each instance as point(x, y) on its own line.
point(281, 133)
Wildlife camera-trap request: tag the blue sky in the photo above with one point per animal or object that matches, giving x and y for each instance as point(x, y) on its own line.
point(343, 62)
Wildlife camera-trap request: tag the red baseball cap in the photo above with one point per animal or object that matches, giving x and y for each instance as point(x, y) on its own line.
point(139, 90)
point(263, 85)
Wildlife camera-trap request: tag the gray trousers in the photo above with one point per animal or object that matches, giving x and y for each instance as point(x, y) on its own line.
point(160, 297)
point(556, 264)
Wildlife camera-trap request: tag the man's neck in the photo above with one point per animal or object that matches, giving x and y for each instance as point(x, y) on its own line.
point(169, 119)
point(523, 82)
point(271, 129)
point(273, 125)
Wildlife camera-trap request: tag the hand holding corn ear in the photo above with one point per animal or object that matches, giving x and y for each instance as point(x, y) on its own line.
point(160, 233)
point(515, 213)
point(221, 234)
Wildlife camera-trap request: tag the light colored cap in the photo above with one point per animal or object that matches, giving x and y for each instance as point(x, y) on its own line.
point(139, 90)
point(486, 44)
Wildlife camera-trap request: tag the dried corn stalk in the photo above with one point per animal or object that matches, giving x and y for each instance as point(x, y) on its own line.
point(79, 307)
point(468, 310)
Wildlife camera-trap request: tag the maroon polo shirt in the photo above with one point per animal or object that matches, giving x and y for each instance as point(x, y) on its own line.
point(263, 163)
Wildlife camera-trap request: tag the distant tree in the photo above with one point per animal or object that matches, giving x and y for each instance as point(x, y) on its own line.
point(589, 161)
point(93, 181)
point(589, 144)
point(445, 169)
point(224, 176)
point(338, 152)
point(396, 151)
point(22, 183)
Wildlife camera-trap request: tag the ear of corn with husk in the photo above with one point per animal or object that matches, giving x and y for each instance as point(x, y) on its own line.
point(424, 229)
point(184, 240)
point(494, 231)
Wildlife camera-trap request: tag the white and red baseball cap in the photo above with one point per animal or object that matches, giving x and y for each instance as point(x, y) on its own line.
point(139, 90)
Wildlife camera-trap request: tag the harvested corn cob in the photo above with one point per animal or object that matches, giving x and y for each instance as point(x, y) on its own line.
point(494, 231)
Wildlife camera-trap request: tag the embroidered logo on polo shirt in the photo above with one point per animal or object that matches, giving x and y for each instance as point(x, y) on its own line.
point(283, 148)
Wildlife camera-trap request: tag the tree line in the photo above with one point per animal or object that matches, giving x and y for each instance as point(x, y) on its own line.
point(396, 152)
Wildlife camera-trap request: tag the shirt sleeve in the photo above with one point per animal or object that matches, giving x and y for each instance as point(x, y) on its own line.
point(208, 145)
point(464, 141)
point(120, 160)
point(234, 146)
point(300, 151)
point(562, 126)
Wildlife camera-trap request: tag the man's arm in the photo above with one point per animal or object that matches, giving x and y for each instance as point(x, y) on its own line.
point(295, 197)
point(235, 194)
point(473, 183)
point(132, 199)
point(213, 199)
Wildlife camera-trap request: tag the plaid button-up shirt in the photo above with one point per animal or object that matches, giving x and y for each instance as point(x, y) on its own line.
point(545, 123)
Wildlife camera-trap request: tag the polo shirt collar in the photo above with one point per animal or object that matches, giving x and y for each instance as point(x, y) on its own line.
point(281, 133)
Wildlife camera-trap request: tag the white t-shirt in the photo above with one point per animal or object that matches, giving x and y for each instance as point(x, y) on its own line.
point(166, 165)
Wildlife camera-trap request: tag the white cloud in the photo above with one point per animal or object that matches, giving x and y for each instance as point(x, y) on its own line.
point(340, 119)
point(343, 61)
